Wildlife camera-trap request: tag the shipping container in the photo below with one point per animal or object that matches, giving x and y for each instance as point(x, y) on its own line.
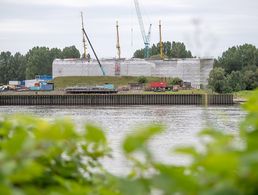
point(47, 87)
point(44, 77)
point(14, 83)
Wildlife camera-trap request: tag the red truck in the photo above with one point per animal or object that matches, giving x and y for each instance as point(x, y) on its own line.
point(158, 86)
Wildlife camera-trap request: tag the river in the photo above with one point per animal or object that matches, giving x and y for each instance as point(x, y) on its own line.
point(182, 124)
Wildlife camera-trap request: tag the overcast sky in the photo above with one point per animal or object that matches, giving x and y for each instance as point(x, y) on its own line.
point(207, 27)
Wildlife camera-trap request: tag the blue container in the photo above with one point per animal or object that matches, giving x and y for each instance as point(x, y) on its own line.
point(47, 87)
point(109, 86)
point(22, 83)
point(34, 88)
point(44, 77)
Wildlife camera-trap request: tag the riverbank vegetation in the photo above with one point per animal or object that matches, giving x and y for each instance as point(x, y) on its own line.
point(40, 157)
point(37, 61)
point(243, 94)
point(235, 70)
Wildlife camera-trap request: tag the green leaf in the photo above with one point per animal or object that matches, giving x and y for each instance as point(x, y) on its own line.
point(135, 187)
point(26, 171)
point(5, 190)
point(15, 143)
point(57, 131)
point(138, 140)
point(94, 134)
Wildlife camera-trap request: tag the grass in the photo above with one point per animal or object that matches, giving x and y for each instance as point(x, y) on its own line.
point(193, 91)
point(63, 82)
point(243, 94)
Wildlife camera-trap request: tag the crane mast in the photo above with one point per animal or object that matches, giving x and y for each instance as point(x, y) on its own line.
point(160, 42)
point(145, 37)
point(83, 39)
point(118, 41)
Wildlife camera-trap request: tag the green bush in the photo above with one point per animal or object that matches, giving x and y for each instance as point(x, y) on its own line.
point(142, 80)
point(38, 157)
point(176, 81)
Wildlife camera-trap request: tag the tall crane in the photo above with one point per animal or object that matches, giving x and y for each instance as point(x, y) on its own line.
point(118, 41)
point(160, 41)
point(146, 37)
point(95, 54)
point(83, 39)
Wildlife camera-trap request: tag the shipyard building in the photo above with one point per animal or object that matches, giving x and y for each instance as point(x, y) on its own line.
point(192, 70)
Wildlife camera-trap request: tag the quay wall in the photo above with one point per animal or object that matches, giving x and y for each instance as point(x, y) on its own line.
point(117, 99)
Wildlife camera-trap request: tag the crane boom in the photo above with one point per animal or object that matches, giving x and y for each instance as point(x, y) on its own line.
point(140, 20)
point(100, 65)
point(145, 37)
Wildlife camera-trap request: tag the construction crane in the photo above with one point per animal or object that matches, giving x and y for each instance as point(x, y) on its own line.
point(118, 65)
point(118, 41)
point(83, 39)
point(100, 65)
point(146, 37)
point(160, 42)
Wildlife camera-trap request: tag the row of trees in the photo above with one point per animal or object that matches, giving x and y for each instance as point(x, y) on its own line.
point(36, 62)
point(171, 50)
point(235, 70)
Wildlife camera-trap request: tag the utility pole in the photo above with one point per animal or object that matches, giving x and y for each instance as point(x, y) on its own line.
point(160, 42)
point(118, 41)
point(83, 39)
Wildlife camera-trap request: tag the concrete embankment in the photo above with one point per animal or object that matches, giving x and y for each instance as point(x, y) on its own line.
point(117, 99)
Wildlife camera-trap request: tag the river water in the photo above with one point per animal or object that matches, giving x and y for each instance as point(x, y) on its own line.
point(182, 124)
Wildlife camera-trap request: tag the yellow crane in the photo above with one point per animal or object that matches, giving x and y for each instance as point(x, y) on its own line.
point(83, 40)
point(118, 41)
point(160, 42)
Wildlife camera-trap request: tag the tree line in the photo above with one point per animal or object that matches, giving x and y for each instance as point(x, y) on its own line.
point(37, 61)
point(235, 70)
point(171, 50)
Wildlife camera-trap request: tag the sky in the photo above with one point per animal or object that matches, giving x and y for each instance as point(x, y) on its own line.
point(207, 27)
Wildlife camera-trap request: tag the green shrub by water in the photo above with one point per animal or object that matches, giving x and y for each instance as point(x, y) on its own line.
point(39, 157)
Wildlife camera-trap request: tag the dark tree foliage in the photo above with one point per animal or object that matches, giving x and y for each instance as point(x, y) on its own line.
point(71, 52)
point(37, 61)
point(250, 79)
point(12, 67)
point(179, 51)
point(139, 54)
point(239, 57)
point(240, 65)
point(217, 80)
point(171, 50)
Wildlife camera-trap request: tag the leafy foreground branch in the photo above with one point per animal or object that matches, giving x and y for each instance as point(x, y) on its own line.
point(38, 157)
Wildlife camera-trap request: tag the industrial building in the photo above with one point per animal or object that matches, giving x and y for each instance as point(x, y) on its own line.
point(192, 70)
